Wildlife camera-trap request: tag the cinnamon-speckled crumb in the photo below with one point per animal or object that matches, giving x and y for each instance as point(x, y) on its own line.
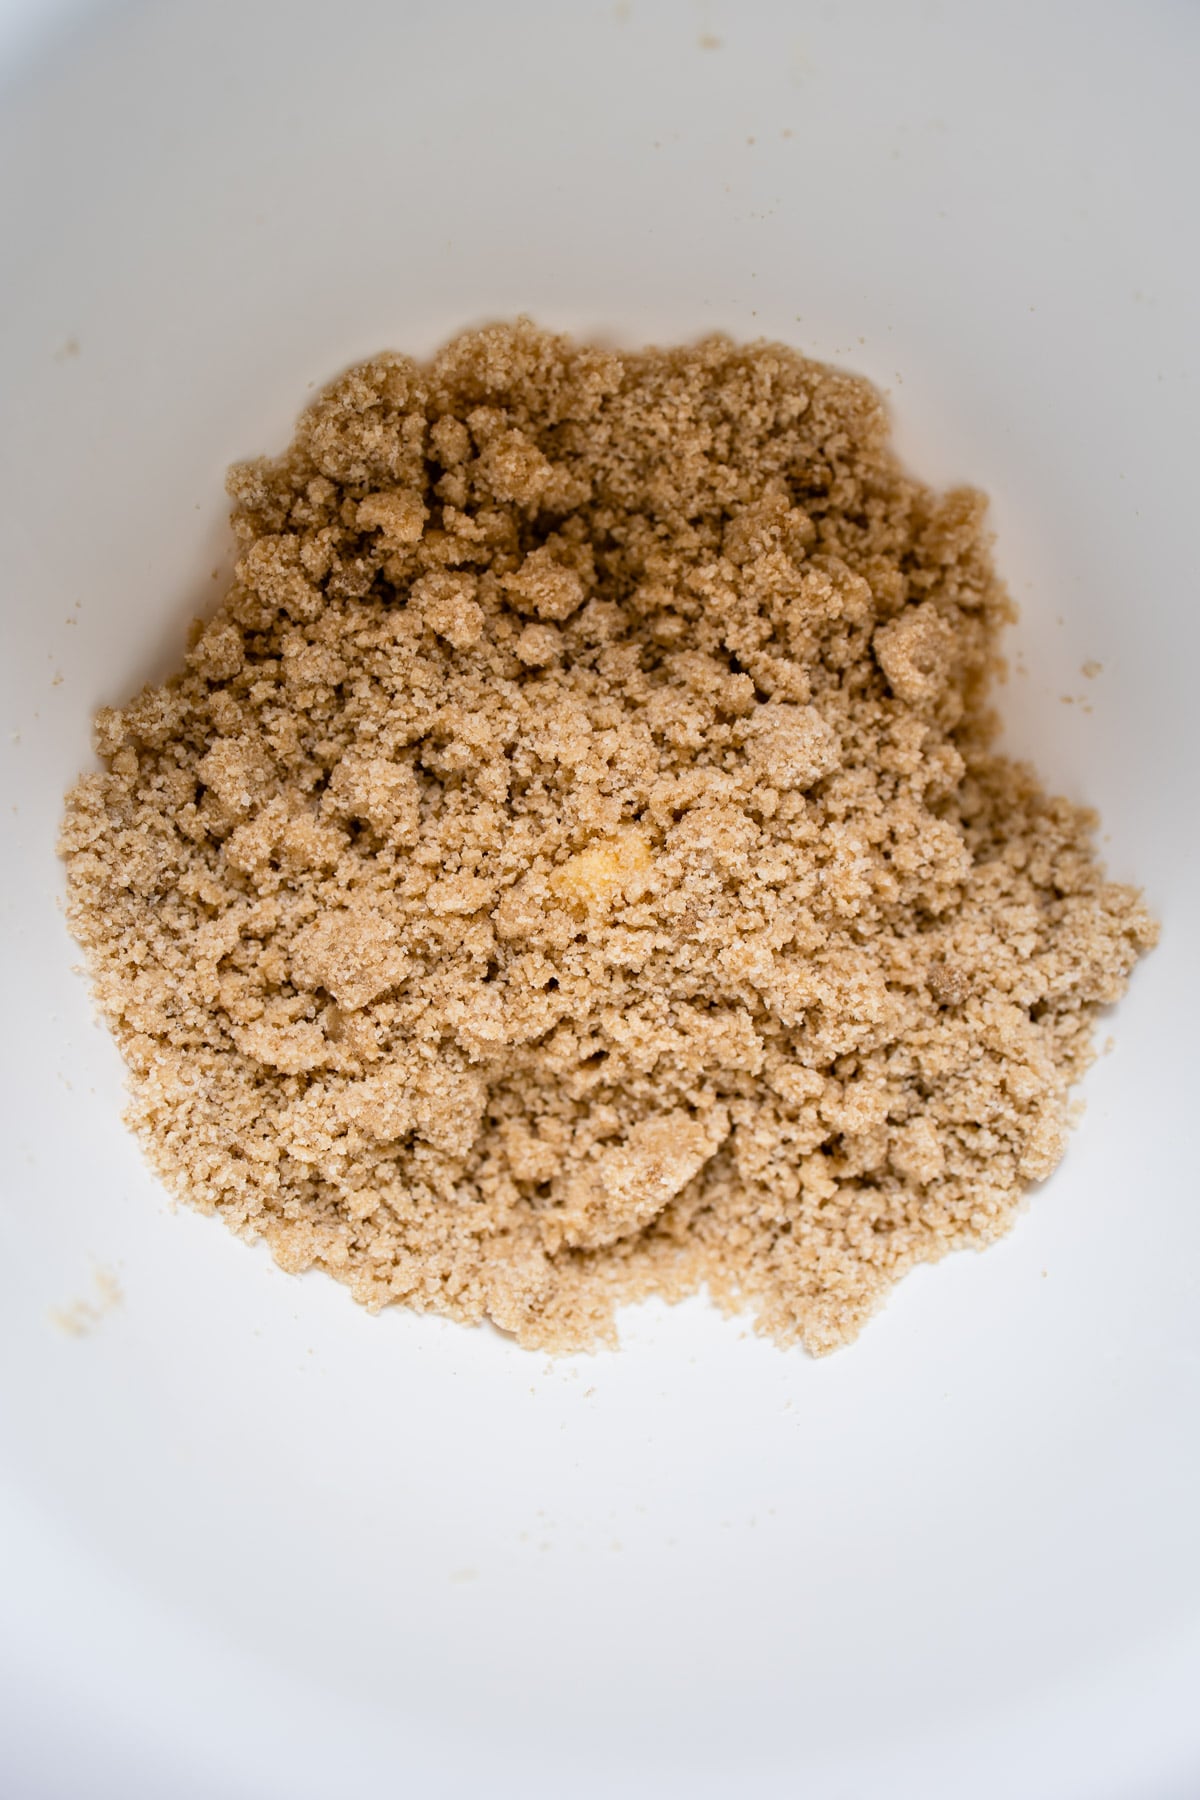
point(571, 863)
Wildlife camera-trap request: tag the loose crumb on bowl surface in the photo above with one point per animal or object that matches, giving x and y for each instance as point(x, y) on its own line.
point(571, 863)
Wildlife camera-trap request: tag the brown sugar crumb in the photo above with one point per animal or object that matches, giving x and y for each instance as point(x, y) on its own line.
point(81, 1317)
point(571, 863)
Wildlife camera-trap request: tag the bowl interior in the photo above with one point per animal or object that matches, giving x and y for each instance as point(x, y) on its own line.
point(264, 1541)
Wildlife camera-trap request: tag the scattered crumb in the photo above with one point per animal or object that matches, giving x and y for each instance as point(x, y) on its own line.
point(56, 679)
point(82, 1316)
point(572, 863)
point(68, 351)
point(1091, 669)
point(708, 40)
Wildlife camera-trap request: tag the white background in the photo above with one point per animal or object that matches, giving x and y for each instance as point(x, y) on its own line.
point(256, 1544)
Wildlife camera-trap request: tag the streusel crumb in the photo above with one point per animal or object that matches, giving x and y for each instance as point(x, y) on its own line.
point(571, 863)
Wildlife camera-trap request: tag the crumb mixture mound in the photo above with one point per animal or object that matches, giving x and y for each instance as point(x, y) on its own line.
point(571, 863)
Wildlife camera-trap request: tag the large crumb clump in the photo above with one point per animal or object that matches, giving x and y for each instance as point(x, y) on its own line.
point(571, 863)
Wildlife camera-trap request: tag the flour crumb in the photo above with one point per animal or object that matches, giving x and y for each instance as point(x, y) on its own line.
point(572, 862)
point(82, 1316)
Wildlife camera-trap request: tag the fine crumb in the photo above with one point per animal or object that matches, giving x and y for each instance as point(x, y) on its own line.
point(1091, 668)
point(82, 1316)
point(572, 864)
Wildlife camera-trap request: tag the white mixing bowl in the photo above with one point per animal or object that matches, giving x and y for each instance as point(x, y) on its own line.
point(257, 1544)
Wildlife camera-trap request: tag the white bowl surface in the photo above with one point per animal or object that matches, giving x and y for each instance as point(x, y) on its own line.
point(256, 1543)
